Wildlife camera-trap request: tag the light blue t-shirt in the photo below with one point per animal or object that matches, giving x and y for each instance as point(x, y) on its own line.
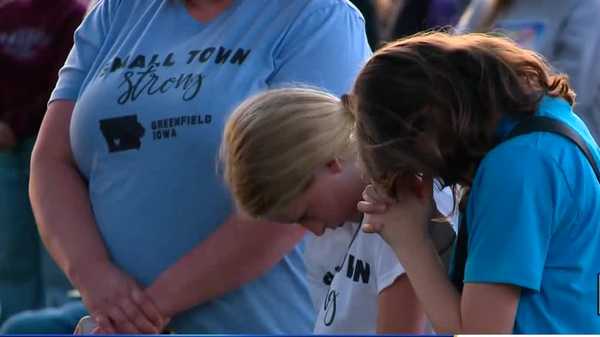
point(533, 219)
point(153, 87)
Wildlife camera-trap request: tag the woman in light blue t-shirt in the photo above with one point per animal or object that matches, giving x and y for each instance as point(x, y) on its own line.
point(124, 185)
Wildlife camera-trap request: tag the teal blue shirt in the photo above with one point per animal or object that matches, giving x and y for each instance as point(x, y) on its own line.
point(533, 219)
point(153, 88)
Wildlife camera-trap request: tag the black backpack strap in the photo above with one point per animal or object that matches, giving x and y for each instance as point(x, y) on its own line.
point(546, 124)
point(459, 259)
point(530, 125)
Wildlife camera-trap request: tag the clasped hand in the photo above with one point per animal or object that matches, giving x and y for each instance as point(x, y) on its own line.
point(401, 221)
point(118, 304)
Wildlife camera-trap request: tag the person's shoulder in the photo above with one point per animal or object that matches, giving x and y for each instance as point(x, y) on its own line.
point(318, 3)
point(330, 3)
point(343, 6)
point(517, 161)
point(521, 150)
point(309, 7)
point(136, 6)
point(537, 160)
point(124, 10)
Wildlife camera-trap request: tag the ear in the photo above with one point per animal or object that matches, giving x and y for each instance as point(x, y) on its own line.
point(423, 187)
point(420, 186)
point(334, 166)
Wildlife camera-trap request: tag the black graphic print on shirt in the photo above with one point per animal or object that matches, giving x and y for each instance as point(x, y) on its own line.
point(143, 76)
point(122, 133)
point(358, 271)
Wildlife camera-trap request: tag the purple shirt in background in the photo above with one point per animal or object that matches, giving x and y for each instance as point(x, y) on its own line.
point(442, 13)
point(421, 15)
point(35, 38)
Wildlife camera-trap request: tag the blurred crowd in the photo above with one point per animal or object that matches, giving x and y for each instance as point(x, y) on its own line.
point(43, 294)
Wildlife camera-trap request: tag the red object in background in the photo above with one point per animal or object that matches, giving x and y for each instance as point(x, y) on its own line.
point(35, 39)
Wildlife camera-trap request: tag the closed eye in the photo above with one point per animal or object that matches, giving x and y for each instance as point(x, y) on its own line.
point(302, 219)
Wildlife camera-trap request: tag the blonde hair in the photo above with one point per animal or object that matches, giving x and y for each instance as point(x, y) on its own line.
point(274, 142)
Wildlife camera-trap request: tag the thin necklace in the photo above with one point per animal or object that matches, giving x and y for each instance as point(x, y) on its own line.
point(339, 266)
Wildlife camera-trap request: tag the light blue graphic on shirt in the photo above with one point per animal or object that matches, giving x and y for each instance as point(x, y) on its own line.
point(528, 34)
point(153, 89)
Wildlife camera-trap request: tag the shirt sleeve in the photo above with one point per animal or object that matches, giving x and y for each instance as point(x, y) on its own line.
point(576, 53)
point(472, 17)
point(388, 267)
point(88, 40)
point(513, 210)
point(325, 48)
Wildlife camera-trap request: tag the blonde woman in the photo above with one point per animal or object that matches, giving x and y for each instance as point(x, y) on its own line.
point(289, 156)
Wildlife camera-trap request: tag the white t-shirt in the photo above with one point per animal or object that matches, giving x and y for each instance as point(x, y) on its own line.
point(369, 266)
point(350, 306)
point(321, 255)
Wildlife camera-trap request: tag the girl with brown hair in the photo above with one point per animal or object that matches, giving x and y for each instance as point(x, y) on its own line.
point(463, 108)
